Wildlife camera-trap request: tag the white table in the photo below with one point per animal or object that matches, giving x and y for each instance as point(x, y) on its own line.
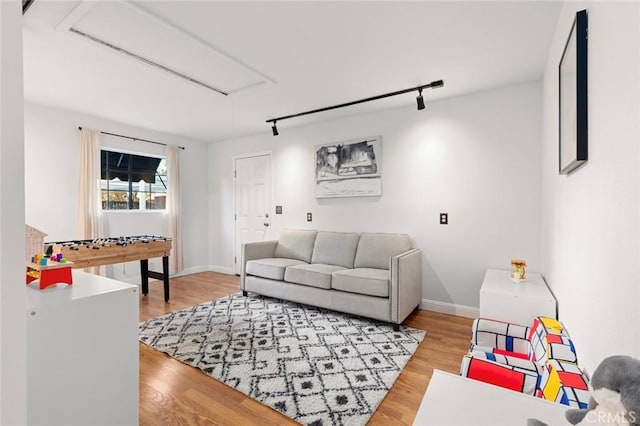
point(519, 303)
point(82, 360)
point(452, 400)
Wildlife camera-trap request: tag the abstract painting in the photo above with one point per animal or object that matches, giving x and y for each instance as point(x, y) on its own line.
point(349, 168)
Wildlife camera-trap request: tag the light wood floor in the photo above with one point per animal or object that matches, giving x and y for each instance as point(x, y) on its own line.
point(172, 393)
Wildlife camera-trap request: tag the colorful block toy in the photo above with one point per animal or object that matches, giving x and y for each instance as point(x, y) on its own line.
point(50, 271)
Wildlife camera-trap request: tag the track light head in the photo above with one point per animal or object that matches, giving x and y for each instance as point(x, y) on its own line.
point(274, 129)
point(420, 100)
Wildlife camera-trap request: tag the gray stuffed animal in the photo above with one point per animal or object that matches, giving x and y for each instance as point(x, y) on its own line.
point(615, 395)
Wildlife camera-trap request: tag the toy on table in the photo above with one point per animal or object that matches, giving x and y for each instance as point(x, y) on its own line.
point(51, 270)
point(615, 395)
point(517, 270)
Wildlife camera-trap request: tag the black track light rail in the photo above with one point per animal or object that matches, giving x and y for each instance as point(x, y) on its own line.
point(26, 4)
point(433, 84)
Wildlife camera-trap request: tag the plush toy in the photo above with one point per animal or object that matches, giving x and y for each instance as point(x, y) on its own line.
point(615, 395)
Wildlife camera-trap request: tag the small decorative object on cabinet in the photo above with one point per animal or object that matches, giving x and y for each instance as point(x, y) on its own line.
point(49, 270)
point(517, 270)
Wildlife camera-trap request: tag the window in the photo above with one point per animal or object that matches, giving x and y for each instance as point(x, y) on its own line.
point(132, 182)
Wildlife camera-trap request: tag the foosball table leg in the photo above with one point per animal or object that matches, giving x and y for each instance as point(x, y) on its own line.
point(144, 275)
point(165, 278)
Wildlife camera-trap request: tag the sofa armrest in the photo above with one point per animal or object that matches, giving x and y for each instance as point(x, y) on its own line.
point(406, 284)
point(257, 250)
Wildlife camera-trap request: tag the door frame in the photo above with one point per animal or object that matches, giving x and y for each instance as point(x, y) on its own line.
point(237, 258)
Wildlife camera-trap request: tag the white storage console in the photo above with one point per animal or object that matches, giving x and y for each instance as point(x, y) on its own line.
point(82, 362)
point(519, 303)
point(457, 401)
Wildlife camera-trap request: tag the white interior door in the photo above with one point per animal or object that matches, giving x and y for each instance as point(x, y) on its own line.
point(252, 202)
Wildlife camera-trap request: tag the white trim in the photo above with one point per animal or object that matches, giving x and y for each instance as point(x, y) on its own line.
point(193, 270)
point(450, 308)
point(228, 270)
point(135, 279)
point(75, 15)
point(259, 75)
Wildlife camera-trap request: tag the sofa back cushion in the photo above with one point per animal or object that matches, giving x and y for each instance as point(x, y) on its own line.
point(375, 250)
point(296, 244)
point(550, 340)
point(335, 248)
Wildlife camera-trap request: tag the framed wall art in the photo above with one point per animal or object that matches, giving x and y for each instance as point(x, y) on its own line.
point(572, 79)
point(349, 168)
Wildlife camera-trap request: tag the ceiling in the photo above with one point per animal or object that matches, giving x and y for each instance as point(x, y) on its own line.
point(272, 58)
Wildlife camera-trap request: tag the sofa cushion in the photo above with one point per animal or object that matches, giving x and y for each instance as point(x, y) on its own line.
point(272, 268)
point(314, 275)
point(376, 250)
point(373, 282)
point(515, 374)
point(295, 244)
point(564, 383)
point(335, 248)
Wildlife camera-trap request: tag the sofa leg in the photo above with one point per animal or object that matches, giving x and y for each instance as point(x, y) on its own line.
point(396, 327)
point(244, 293)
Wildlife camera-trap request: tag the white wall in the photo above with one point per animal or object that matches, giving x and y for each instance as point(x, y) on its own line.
point(13, 293)
point(590, 218)
point(476, 157)
point(52, 172)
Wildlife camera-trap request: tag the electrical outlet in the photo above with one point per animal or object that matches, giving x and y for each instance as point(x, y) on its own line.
point(309, 217)
point(444, 218)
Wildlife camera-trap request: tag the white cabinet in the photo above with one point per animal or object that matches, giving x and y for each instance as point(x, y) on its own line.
point(457, 401)
point(503, 300)
point(82, 353)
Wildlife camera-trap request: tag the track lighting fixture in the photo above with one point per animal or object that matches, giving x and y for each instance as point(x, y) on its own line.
point(419, 100)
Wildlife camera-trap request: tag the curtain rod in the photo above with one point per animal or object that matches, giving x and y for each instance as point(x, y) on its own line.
point(132, 138)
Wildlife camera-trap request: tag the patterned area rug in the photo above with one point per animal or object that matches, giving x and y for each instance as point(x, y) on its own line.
point(315, 366)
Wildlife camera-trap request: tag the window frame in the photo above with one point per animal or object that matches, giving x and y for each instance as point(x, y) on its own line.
point(130, 187)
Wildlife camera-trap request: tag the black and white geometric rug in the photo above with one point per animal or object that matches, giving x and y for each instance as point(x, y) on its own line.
point(315, 366)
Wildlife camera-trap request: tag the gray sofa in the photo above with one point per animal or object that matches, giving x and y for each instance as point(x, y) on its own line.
point(374, 275)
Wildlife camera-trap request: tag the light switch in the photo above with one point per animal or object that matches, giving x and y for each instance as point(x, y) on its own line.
point(444, 218)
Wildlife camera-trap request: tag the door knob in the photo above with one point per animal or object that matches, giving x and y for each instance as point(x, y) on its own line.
point(266, 224)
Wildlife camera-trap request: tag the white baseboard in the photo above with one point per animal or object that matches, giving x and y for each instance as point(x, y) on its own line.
point(135, 279)
point(193, 270)
point(450, 308)
point(221, 269)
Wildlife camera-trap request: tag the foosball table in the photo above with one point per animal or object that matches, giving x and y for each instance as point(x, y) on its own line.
point(107, 251)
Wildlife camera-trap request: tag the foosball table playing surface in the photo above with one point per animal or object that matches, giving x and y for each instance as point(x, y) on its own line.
point(107, 251)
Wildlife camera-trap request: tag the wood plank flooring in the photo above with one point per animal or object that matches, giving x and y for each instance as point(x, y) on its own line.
point(172, 393)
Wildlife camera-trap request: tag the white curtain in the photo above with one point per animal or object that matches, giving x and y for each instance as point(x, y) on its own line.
point(173, 220)
point(89, 203)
